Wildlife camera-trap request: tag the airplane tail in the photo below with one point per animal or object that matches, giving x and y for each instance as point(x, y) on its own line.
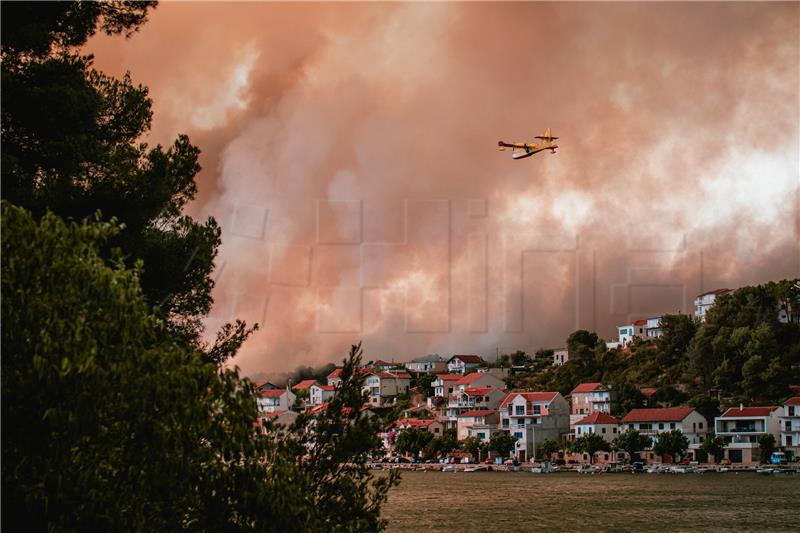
point(547, 136)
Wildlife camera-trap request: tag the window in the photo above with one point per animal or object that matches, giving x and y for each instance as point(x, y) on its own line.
point(436, 430)
point(791, 410)
point(579, 430)
point(672, 425)
point(519, 410)
point(505, 422)
point(613, 430)
point(482, 436)
point(700, 425)
point(518, 435)
point(645, 426)
point(602, 430)
point(661, 426)
point(537, 409)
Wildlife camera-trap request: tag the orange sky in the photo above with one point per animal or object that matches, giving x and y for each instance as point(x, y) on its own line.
point(349, 152)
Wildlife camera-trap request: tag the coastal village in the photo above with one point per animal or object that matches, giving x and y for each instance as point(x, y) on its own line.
point(470, 400)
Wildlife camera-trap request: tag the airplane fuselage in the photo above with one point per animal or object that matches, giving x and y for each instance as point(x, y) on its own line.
point(523, 150)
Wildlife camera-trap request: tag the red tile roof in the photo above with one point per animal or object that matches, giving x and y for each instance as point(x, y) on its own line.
point(469, 358)
point(634, 323)
point(413, 422)
point(532, 397)
point(792, 401)
point(337, 372)
point(735, 412)
point(648, 391)
point(303, 385)
point(272, 393)
point(469, 378)
point(478, 412)
point(326, 387)
point(478, 391)
point(598, 417)
point(588, 387)
point(664, 414)
point(450, 377)
point(274, 413)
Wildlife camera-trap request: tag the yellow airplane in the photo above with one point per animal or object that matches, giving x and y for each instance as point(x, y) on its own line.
point(522, 150)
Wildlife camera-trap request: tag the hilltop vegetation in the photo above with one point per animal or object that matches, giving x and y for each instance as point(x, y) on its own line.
point(743, 352)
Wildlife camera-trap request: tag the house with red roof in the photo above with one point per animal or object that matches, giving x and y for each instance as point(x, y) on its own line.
point(533, 417)
point(394, 429)
point(445, 384)
point(588, 398)
point(335, 377)
point(461, 363)
point(304, 385)
point(626, 332)
point(654, 421)
point(383, 387)
point(469, 399)
point(479, 423)
point(601, 423)
point(790, 426)
point(741, 427)
point(272, 400)
point(704, 302)
point(266, 385)
point(318, 394)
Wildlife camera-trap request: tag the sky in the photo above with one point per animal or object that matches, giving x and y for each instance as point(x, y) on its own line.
point(349, 152)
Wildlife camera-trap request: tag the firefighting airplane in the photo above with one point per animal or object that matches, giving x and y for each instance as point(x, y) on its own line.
point(521, 150)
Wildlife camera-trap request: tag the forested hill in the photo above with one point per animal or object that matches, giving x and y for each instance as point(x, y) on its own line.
point(748, 350)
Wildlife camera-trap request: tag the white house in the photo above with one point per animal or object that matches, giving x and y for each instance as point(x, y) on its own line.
point(741, 427)
point(444, 384)
point(654, 421)
point(790, 426)
point(470, 399)
point(704, 302)
point(560, 356)
point(587, 398)
point(462, 363)
point(335, 377)
point(533, 417)
point(600, 423)
point(653, 328)
point(384, 387)
point(318, 394)
point(626, 332)
point(428, 363)
point(273, 400)
point(480, 423)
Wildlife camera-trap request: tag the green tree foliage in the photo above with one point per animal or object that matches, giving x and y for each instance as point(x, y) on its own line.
point(423, 383)
point(590, 443)
point(672, 443)
point(766, 445)
point(714, 446)
point(439, 446)
point(548, 448)
point(633, 442)
point(71, 145)
point(475, 446)
point(743, 349)
point(502, 443)
point(119, 426)
point(520, 358)
point(706, 406)
point(413, 441)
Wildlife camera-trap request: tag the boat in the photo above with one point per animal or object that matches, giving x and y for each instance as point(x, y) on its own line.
point(656, 469)
point(723, 468)
point(479, 468)
point(448, 468)
point(764, 470)
point(586, 469)
point(544, 468)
